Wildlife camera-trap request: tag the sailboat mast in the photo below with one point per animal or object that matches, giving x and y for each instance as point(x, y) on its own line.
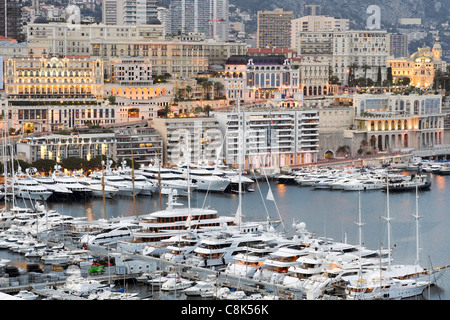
point(188, 160)
point(417, 217)
point(240, 160)
point(132, 175)
point(388, 219)
point(359, 223)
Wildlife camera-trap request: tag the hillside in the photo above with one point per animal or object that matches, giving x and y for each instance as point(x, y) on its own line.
point(430, 11)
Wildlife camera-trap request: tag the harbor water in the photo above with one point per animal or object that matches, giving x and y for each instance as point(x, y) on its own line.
point(328, 213)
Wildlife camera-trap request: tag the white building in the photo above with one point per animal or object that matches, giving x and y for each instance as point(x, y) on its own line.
point(57, 147)
point(390, 121)
point(210, 17)
point(205, 139)
point(252, 78)
point(347, 52)
point(128, 12)
point(270, 137)
point(316, 23)
point(131, 70)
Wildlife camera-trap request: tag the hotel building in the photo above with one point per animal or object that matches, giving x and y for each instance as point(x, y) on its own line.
point(47, 94)
point(253, 78)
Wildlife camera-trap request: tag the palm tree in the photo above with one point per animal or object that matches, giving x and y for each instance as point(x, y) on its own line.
point(189, 90)
point(207, 109)
point(218, 87)
point(206, 85)
point(365, 67)
point(351, 74)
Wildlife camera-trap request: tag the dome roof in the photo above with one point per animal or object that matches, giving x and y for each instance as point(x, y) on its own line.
point(40, 19)
point(154, 21)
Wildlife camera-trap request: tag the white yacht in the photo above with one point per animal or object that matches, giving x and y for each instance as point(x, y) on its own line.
point(376, 285)
point(275, 268)
point(363, 185)
point(97, 188)
point(219, 250)
point(109, 178)
point(109, 235)
point(309, 265)
point(252, 257)
point(140, 181)
point(170, 222)
point(177, 248)
point(79, 191)
point(165, 178)
point(28, 188)
point(59, 191)
point(203, 178)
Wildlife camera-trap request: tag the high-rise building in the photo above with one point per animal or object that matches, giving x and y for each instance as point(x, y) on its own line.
point(312, 10)
point(397, 45)
point(129, 12)
point(200, 16)
point(11, 19)
point(316, 23)
point(274, 28)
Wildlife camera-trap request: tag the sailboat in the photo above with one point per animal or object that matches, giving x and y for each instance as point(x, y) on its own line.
point(395, 281)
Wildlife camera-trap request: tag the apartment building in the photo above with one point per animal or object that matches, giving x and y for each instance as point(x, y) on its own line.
point(210, 17)
point(274, 28)
point(397, 45)
point(353, 53)
point(129, 12)
point(57, 147)
point(269, 137)
point(11, 19)
point(143, 145)
point(75, 40)
point(204, 142)
point(316, 23)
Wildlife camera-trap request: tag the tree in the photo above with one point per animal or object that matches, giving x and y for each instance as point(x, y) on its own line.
point(379, 77)
point(198, 109)
point(73, 163)
point(164, 112)
point(365, 67)
point(206, 85)
point(44, 165)
point(112, 100)
point(189, 90)
point(207, 109)
point(218, 87)
point(351, 73)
